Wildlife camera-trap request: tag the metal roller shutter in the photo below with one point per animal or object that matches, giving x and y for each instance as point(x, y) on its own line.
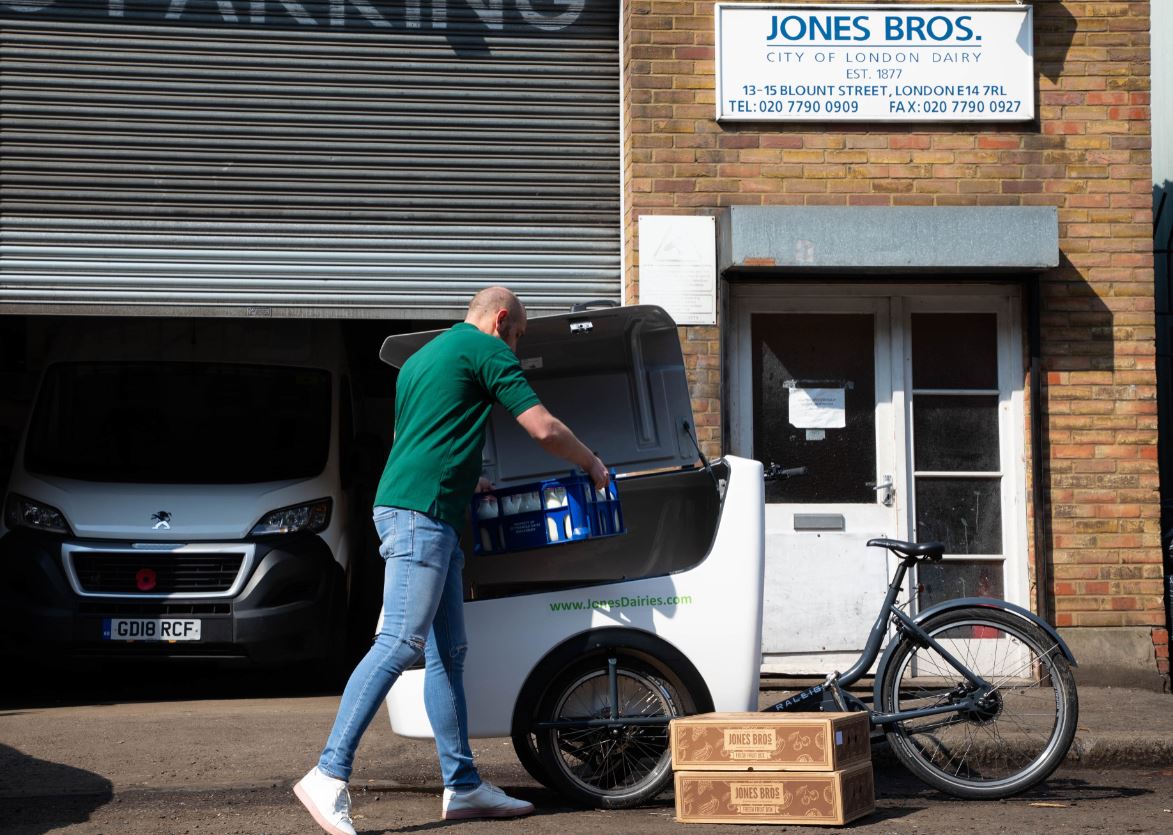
point(348, 158)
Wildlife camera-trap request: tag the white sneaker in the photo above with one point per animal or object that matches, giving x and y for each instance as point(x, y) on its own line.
point(485, 801)
point(327, 799)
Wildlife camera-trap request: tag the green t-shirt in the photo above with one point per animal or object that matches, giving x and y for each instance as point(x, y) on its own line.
point(443, 397)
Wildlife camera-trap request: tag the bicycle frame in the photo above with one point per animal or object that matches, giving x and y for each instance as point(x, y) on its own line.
point(829, 694)
point(824, 696)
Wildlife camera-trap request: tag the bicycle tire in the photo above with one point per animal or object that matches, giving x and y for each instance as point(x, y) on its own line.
point(603, 767)
point(1021, 732)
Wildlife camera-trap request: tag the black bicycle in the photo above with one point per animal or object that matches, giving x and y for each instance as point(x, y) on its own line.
point(975, 697)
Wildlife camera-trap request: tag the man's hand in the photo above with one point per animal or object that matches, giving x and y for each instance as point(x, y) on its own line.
point(483, 485)
point(598, 473)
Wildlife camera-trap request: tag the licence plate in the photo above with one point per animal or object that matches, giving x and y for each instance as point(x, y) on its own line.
point(150, 629)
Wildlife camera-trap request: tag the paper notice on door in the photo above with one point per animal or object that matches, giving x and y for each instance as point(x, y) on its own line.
point(818, 408)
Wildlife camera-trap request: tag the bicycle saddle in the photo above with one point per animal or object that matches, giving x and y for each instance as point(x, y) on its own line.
point(915, 550)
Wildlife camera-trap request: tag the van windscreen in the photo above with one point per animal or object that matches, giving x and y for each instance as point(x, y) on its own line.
point(180, 423)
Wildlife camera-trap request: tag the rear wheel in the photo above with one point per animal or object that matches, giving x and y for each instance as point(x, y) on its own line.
point(1019, 728)
point(610, 765)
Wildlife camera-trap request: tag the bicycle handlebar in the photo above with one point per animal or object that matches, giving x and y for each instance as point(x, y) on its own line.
point(773, 472)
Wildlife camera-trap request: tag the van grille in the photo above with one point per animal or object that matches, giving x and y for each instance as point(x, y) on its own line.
point(156, 573)
point(153, 609)
point(138, 650)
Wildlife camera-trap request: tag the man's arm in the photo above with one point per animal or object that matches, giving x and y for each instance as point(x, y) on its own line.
point(556, 438)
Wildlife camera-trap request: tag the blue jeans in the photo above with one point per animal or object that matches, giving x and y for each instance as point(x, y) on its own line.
point(423, 612)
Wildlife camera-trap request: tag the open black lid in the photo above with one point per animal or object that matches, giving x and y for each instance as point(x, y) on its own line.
point(615, 376)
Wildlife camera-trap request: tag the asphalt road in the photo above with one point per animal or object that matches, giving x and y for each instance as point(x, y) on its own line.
point(1074, 801)
point(198, 753)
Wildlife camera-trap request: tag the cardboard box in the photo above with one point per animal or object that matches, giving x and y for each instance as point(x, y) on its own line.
point(770, 741)
point(829, 798)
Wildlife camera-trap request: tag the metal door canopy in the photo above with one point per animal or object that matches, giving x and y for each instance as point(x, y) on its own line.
point(973, 239)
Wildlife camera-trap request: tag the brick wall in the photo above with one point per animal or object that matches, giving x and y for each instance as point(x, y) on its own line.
point(1087, 154)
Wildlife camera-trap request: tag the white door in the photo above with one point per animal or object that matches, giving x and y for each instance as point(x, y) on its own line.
point(901, 403)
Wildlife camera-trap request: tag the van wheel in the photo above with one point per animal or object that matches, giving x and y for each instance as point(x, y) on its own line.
point(609, 765)
point(338, 663)
point(365, 603)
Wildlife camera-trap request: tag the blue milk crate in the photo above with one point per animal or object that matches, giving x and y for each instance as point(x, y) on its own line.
point(548, 512)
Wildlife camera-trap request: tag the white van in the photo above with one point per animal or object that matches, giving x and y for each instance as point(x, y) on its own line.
point(181, 490)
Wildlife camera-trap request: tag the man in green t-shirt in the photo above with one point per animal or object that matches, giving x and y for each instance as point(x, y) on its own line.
point(443, 398)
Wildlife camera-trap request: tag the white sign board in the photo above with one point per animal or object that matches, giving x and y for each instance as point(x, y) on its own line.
point(678, 266)
point(786, 62)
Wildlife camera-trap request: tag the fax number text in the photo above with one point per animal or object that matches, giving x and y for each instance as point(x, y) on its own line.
point(955, 107)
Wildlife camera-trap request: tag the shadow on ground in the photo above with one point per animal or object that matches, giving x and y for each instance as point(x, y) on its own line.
point(32, 684)
point(65, 795)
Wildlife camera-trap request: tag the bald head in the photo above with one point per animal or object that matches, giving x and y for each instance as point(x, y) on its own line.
point(498, 312)
point(492, 299)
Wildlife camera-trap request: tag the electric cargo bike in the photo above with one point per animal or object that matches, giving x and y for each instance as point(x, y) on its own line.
point(585, 640)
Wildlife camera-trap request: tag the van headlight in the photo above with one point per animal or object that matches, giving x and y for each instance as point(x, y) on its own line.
point(20, 512)
point(312, 517)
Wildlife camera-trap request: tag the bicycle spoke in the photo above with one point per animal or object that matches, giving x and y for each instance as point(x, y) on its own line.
point(612, 757)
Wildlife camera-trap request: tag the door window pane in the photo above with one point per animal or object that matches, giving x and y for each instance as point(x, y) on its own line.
point(958, 432)
point(964, 513)
point(833, 351)
point(957, 578)
point(954, 351)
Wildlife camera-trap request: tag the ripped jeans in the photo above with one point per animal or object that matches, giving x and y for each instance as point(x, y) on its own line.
point(422, 598)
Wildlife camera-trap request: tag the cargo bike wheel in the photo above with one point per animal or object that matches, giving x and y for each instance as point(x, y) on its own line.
point(601, 730)
point(1021, 725)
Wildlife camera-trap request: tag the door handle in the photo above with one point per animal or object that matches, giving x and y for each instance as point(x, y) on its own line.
point(888, 496)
